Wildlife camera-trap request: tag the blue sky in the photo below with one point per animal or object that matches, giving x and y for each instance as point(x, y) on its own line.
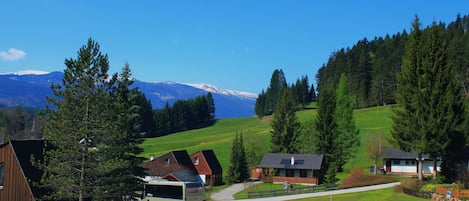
point(231, 44)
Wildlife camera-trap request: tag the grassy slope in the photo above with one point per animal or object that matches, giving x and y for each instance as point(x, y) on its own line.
point(219, 137)
point(384, 195)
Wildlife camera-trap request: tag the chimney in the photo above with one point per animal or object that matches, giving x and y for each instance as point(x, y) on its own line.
point(292, 161)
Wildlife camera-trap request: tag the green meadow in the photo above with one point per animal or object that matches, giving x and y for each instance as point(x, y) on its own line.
point(370, 121)
point(388, 194)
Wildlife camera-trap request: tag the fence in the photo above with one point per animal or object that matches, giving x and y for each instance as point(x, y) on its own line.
point(310, 189)
point(454, 192)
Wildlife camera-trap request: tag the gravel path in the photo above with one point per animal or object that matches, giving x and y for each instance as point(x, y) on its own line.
point(227, 193)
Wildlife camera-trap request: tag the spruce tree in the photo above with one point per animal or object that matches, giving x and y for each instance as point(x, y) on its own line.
point(285, 125)
point(348, 138)
point(238, 169)
point(326, 134)
point(431, 113)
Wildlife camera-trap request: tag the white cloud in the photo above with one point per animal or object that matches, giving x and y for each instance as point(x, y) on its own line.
point(12, 54)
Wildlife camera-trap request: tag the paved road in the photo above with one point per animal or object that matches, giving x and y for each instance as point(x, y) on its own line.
point(227, 194)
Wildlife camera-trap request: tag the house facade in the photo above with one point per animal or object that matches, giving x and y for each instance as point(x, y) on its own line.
point(292, 168)
point(17, 173)
point(399, 162)
point(208, 167)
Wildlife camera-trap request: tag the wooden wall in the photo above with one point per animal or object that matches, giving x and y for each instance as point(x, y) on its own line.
point(15, 186)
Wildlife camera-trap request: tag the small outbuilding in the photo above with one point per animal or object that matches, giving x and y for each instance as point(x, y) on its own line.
point(400, 162)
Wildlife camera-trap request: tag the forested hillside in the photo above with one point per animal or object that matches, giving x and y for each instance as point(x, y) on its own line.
point(371, 66)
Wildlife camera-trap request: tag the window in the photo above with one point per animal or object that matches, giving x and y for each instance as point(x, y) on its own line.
point(396, 162)
point(289, 173)
point(303, 173)
point(196, 161)
point(1, 175)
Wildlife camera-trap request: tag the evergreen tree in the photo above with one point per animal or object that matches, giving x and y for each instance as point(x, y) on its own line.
point(93, 131)
point(431, 110)
point(119, 167)
point(326, 134)
point(285, 125)
point(211, 107)
point(406, 123)
point(75, 124)
point(238, 169)
point(348, 138)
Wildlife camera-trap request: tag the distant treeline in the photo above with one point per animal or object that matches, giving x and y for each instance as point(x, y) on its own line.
point(184, 115)
point(372, 66)
point(302, 92)
point(20, 123)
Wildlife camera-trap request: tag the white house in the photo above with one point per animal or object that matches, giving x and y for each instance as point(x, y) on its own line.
point(400, 162)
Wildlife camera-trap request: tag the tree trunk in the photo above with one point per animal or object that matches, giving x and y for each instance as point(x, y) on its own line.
point(420, 167)
point(435, 171)
point(376, 166)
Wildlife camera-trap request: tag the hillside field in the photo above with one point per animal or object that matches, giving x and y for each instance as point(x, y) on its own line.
point(370, 121)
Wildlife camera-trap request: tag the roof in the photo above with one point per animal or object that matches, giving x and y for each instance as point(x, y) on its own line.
point(212, 161)
point(183, 158)
point(25, 150)
point(169, 163)
point(301, 161)
point(393, 153)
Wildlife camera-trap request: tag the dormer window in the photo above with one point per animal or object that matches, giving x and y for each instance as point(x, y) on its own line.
point(196, 161)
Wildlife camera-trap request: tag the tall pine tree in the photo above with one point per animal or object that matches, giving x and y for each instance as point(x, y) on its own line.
point(348, 138)
point(238, 169)
point(325, 135)
point(285, 125)
point(431, 112)
point(92, 131)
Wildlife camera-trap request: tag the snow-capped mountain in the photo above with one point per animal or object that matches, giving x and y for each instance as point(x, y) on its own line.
point(215, 89)
point(29, 89)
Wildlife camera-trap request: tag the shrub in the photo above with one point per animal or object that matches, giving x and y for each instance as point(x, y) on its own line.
point(357, 178)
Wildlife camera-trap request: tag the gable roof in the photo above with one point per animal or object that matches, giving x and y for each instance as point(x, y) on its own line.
point(393, 153)
point(183, 158)
point(212, 161)
point(170, 162)
point(25, 151)
point(301, 161)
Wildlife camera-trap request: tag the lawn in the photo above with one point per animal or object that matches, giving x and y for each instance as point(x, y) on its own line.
point(383, 195)
point(370, 121)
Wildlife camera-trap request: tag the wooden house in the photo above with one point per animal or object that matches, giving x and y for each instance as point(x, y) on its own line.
point(208, 167)
point(175, 165)
point(18, 176)
point(292, 168)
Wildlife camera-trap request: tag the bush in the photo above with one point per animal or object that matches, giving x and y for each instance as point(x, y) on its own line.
point(357, 178)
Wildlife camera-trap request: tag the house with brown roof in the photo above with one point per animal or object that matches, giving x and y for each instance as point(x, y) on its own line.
point(173, 166)
point(18, 176)
point(208, 167)
point(292, 168)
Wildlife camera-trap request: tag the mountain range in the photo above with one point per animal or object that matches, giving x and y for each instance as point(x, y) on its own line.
point(30, 88)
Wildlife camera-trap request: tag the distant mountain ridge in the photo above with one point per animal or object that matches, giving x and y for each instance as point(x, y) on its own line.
point(29, 89)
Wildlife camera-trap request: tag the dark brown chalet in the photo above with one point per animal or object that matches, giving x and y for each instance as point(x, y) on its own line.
point(175, 165)
point(18, 176)
point(208, 167)
point(292, 168)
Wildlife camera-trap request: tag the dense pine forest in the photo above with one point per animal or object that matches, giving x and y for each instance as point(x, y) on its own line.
point(371, 66)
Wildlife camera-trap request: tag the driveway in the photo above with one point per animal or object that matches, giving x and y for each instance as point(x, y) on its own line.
point(227, 193)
